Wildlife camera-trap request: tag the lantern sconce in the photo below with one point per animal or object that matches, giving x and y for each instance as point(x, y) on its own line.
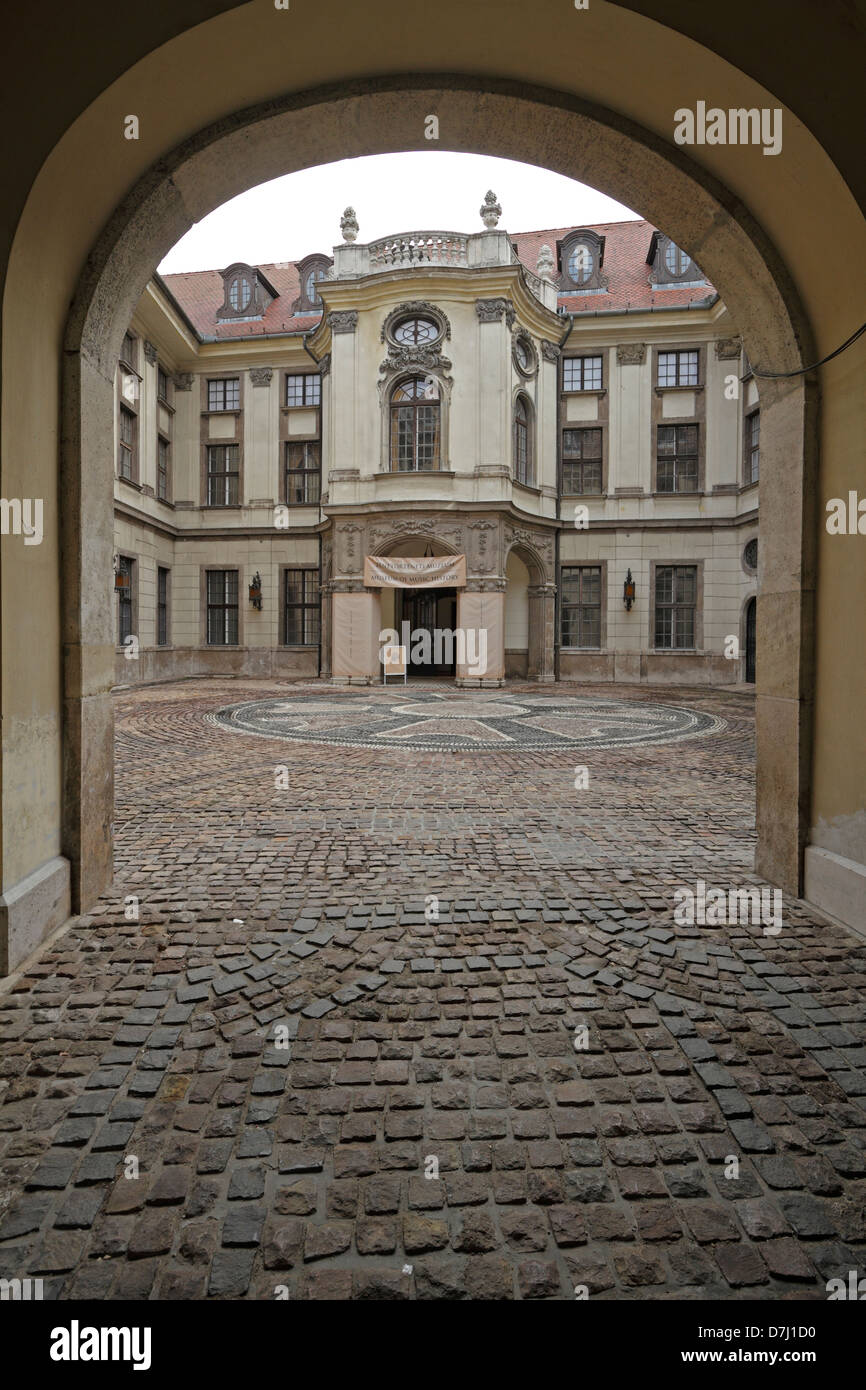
point(121, 577)
point(256, 590)
point(628, 592)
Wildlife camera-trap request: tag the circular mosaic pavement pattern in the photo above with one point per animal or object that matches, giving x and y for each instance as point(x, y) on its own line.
point(459, 721)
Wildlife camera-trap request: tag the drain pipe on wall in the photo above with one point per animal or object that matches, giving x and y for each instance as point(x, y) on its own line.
point(557, 603)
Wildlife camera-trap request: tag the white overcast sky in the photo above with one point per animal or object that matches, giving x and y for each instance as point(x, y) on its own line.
point(431, 190)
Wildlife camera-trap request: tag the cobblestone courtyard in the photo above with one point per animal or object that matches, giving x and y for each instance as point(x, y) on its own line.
point(707, 1142)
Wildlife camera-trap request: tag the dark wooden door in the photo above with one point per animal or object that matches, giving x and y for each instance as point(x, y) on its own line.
point(429, 610)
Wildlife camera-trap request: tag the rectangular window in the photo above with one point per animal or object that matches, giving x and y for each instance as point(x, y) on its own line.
point(678, 368)
point(222, 608)
point(162, 385)
point(126, 576)
point(161, 607)
point(303, 473)
point(581, 606)
point(128, 430)
point(127, 351)
point(163, 463)
point(305, 388)
point(224, 394)
point(581, 461)
point(677, 458)
point(753, 446)
point(676, 601)
point(223, 475)
point(581, 374)
point(301, 607)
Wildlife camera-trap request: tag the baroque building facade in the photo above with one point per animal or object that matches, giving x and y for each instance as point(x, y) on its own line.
point(566, 414)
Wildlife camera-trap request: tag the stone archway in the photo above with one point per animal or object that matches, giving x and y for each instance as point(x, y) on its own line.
point(540, 608)
point(560, 132)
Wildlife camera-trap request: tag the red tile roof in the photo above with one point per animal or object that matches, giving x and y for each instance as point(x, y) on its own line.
point(200, 292)
point(626, 245)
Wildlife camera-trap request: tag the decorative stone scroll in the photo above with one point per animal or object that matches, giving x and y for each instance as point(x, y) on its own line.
point(343, 320)
point(261, 376)
point(150, 352)
point(631, 354)
point(728, 347)
point(183, 381)
point(491, 310)
point(549, 351)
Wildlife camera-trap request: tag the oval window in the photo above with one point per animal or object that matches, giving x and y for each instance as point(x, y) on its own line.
point(413, 331)
point(523, 356)
point(580, 264)
point(750, 555)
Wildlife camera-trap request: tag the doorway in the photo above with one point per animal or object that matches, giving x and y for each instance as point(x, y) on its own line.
point(429, 611)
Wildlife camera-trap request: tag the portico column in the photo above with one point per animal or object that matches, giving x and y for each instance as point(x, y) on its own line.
point(542, 632)
point(481, 620)
point(356, 621)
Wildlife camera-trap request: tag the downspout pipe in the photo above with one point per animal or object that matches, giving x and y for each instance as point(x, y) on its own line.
point(557, 634)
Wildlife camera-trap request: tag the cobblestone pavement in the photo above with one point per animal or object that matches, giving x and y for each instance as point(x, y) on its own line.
point(288, 1049)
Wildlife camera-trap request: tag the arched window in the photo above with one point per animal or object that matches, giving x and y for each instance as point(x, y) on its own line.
point(240, 293)
point(676, 260)
point(415, 426)
point(316, 274)
point(522, 441)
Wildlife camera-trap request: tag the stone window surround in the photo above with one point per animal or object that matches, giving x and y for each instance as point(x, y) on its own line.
point(699, 417)
point(204, 570)
point(281, 582)
point(237, 438)
point(585, 564)
point(166, 501)
point(525, 373)
point(420, 309)
point(521, 393)
point(163, 646)
point(751, 574)
point(387, 385)
point(135, 583)
point(698, 648)
point(601, 422)
point(586, 390)
point(127, 368)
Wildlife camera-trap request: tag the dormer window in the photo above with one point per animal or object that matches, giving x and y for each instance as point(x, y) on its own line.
point(247, 293)
point(311, 270)
point(581, 256)
point(670, 264)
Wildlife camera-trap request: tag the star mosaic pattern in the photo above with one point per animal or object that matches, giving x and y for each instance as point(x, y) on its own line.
point(465, 721)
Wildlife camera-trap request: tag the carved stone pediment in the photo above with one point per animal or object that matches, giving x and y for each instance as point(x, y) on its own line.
point(404, 358)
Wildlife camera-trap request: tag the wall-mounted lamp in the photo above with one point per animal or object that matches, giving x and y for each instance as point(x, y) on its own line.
point(256, 590)
point(628, 592)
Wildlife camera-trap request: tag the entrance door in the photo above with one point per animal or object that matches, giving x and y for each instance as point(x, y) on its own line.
point(430, 611)
point(751, 618)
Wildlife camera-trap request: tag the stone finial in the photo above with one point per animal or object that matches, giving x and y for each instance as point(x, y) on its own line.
point(349, 225)
point(545, 266)
point(490, 210)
